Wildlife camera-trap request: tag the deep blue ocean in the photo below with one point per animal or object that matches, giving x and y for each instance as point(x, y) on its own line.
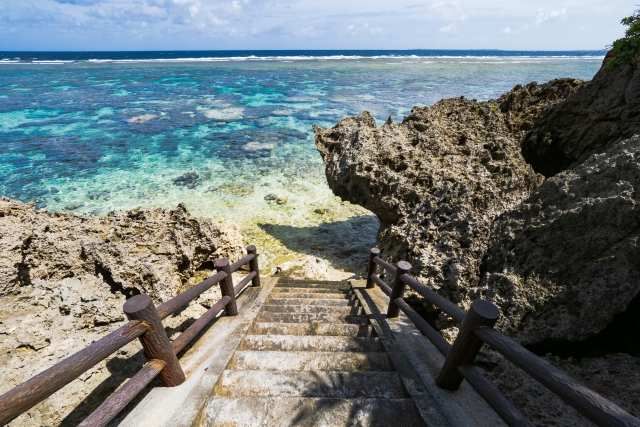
point(223, 132)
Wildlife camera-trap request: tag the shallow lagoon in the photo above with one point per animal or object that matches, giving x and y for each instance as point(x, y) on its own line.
point(223, 137)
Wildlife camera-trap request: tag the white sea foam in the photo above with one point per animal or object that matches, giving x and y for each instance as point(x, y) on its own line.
point(143, 118)
point(224, 114)
point(291, 58)
point(258, 146)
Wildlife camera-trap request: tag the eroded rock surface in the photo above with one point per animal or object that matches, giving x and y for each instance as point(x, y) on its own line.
point(64, 279)
point(605, 110)
point(456, 189)
point(439, 179)
point(567, 260)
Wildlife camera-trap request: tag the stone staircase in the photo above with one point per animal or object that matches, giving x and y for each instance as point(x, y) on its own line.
point(310, 359)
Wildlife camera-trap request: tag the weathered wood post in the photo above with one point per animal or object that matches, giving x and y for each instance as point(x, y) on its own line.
point(371, 270)
point(155, 341)
point(467, 345)
point(398, 288)
point(253, 265)
point(226, 286)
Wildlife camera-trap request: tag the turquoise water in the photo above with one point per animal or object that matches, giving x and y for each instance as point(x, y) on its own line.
point(220, 135)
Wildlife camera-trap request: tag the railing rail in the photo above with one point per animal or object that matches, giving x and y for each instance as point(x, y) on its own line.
point(476, 329)
point(145, 324)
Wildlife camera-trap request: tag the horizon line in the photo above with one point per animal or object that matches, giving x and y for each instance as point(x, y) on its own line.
point(312, 50)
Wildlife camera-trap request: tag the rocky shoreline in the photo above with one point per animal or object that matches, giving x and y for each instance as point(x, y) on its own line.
point(530, 200)
point(64, 279)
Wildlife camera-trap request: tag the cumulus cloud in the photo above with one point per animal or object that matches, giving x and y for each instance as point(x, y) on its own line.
point(219, 24)
point(543, 16)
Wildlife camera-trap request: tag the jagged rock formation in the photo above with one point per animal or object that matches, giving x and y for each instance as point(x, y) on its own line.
point(439, 179)
point(606, 110)
point(574, 244)
point(64, 279)
point(456, 189)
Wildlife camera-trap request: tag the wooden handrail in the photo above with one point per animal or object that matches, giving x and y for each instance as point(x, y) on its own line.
point(145, 324)
point(384, 264)
point(383, 285)
point(245, 260)
point(477, 329)
point(594, 406)
point(24, 396)
point(119, 399)
point(180, 301)
point(428, 294)
point(502, 405)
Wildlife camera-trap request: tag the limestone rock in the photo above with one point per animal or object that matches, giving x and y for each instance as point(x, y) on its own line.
point(64, 279)
point(603, 111)
point(439, 179)
point(555, 260)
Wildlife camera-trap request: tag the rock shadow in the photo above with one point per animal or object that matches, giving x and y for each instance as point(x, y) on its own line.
point(345, 244)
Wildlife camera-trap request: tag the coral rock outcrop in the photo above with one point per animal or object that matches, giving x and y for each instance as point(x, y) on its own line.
point(64, 279)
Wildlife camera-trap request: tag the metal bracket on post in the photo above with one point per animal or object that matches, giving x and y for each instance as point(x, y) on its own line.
point(155, 342)
point(226, 286)
point(398, 288)
point(467, 345)
point(371, 269)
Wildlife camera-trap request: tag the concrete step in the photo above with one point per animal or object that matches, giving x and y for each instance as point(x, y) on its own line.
point(284, 279)
point(309, 343)
point(310, 328)
point(307, 301)
point(307, 412)
point(335, 384)
point(310, 317)
point(306, 293)
point(333, 309)
point(315, 285)
point(309, 361)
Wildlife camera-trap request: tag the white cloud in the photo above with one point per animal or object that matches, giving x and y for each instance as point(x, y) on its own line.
point(550, 15)
point(449, 28)
point(219, 24)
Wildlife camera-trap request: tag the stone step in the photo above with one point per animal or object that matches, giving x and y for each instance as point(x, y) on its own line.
point(315, 285)
point(334, 309)
point(307, 412)
point(309, 361)
point(307, 301)
point(311, 328)
point(306, 293)
point(285, 279)
point(309, 343)
point(336, 384)
point(310, 317)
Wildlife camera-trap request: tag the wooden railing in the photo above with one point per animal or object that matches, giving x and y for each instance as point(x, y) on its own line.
point(145, 323)
point(476, 329)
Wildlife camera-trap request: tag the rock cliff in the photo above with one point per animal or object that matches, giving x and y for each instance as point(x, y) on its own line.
point(605, 110)
point(439, 179)
point(64, 279)
point(530, 200)
point(573, 244)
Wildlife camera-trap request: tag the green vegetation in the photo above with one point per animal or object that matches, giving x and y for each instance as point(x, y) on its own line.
point(626, 48)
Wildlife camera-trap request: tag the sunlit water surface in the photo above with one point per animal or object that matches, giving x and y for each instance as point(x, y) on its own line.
point(232, 139)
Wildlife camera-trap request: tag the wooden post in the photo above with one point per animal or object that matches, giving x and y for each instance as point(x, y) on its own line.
point(155, 341)
point(226, 286)
point(467, 344)
point(398, 288)
point(371, 270)
point(253, 265)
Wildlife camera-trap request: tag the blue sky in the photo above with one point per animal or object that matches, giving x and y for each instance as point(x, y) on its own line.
point(309, 24)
